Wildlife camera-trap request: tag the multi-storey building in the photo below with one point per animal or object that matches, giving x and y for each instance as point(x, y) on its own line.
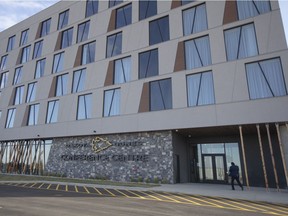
point(169, 91)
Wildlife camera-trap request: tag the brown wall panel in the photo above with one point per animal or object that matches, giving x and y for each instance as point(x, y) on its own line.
point(109, 75)
point(230, 13)
point(58, 43)
point(180, 58)
point(144, 101)
point(175, 4)
point(78, 57)
point(112, 21)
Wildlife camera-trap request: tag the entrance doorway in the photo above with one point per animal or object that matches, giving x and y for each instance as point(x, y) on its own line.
point(214, 168)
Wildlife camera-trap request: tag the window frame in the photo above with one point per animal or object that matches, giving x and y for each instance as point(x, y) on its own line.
point(25, 50)
point(41, 69)
point(66, 38)
point(4, 81)
point(118, 37)
point(124, 73)
point(18, 73)
point(146, 9)
point(24, 37)
point(87, 109)
point(60, 62)
point(3, 63)
point(80, 81)
point(113, 3)
point(19, 94)
point(37, 52)
point(63, 88)
point(160, 27)
point(90, 3)
point(147, 73)
point(11, 43)
point(120, 13)
point(45, 27)
point(31, 93)
point(35, 113)
point(116, 91)
point(161, 90)
point(85, 31)
point(50, 118)
point(91, 58)
point(63, 21)
point(8, 123)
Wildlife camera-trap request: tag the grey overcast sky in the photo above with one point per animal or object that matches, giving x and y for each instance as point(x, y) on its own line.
point(13, 11)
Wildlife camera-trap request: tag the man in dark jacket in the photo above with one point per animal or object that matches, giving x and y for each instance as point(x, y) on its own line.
point(234, 173)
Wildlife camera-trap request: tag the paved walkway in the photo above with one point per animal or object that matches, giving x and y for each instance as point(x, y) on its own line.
point(213, 190)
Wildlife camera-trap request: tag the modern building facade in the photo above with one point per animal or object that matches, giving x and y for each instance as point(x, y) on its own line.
point(169, 91)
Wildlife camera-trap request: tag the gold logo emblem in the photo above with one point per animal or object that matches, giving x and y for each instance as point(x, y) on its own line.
point(99, 144)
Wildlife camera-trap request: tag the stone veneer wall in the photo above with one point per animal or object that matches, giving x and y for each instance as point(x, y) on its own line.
point(132, 157)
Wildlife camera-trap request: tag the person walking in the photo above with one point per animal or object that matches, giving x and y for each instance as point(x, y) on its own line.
point(234, 173)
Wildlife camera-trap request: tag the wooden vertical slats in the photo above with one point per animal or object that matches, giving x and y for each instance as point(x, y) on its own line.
point(244, 157)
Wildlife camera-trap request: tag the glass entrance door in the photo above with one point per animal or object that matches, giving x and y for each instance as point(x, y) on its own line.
point(214, 168)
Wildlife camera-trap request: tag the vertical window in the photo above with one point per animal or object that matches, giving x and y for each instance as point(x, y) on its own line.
point(40, 68)
point(3, 64)
point(124, 16)
point(241, 42)
point(265, 79)
point(4, 80)
point(31, 92)
point(148, 64)
point(67, 38)
point(122, 70)
point(38, 49)
point(91, 7)
point(194, 20)
point(159, 30)
point(19, 95)
point(52, 112)
point(197, 53)
point(10, 118)
point(24, 37)
point(114, 45)
point(111, 102)
point(251, 8)
point(84, 107)
point(83, 31)
point(112, 3)
point(33, 114)
point(61, 85)
point(200, 89)
point(88, 53)
point(183, 2)
point(147, 8)
point(17, 76)
point(63, 19)
point(45, 27)
point(11, 42)
point(160, 95)
point(25, 54)
point(58, 62)
point(79, 80)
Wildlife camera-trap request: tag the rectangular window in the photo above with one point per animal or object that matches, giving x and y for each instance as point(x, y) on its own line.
point(25, 54)
point(4, 80)
point(147, 8)
point(83, 31)
point(88, 53)
point(10, 118)
point(200, 89)
point(84, 107)
point(62, 85)
point(79, 80)
point(63, 19)
point(40, 68)
point(183, 2)
point(195, 20)
point(251, 8)
point(112, 3)
point(148, 64)
point(45, 27)
point(114, 45)
point(11, 42)
point(19, 92)
point(91, 7)
point(33, 114)
point(265, 79)
point(112, 102)
point(52, 112)
point(240, 42)
point(18, 76)
point(58, 62)
point(122, 70)
point(24, 37)
point(67, 36)
point(3, 64)
point(159, 30)
point(197, 53)
point(161, 95)
point(38, 49)
point(124, 16)
point(31, 92)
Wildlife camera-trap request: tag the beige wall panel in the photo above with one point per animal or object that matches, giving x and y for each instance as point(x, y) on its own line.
point(97, 101)
point(68, 107)
point(176, 30)
point(179, 95)
point(166, 57)
point(234, 86)
point(217, 45)
point(77, 11)
point(270, 33)
point(96, 74)
point(215, 13)
point(163, 6)
point(135, 37)
point(99, 24)
point(69, 57)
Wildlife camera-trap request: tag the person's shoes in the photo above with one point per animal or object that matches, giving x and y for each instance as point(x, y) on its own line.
point(242, 188)
point(233, 189)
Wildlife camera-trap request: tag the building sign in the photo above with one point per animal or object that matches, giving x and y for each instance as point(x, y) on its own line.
point(99, 145)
